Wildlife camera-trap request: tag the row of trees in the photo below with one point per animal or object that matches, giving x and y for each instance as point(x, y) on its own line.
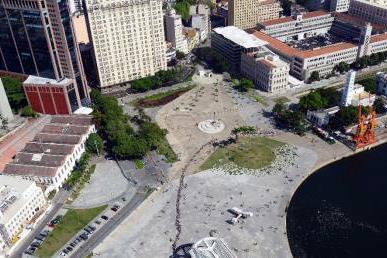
point(213, 59)
point(320, 99)
point(363, 62)
point(160, 79)
point(121, 140)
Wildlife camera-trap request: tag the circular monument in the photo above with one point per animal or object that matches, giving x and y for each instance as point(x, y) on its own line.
point(211, 126)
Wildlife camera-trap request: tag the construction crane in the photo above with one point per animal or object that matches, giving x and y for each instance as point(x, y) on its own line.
point(365, 132)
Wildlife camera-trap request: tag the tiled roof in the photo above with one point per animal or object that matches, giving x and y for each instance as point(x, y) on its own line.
point(314, 14)
point(57, 138)
point(326, 50)
point(39, 159)
point(84, 120)
point(267, 63)
point(48, 148)
point(28, 170)
point(64, 129)
point(377, 38)
point(357, 21)
point(284, 49)
point(276, 44)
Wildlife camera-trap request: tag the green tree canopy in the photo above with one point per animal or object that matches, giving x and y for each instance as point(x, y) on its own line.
point(94, 144)
point(15, 93)
point(379, 106)
point(244, 85)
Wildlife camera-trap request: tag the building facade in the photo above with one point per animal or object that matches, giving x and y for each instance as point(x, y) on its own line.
point(246, 14)
point(201, 23)
point(51, 156)
point(20, 202)
point(371, 11)
point(128, 40)
point(174, 31)
point(267, 71)
point(48, 96)
point(299, 26)
point(381, 83)
point(36, 38)
point(230, 42)
point(339, 6)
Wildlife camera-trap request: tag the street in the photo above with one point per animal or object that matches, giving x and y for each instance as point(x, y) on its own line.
point(111, 225)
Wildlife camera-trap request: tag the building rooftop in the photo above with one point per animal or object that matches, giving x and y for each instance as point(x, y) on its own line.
point(379, 37)
point(57, 138)
point(48, 148)
point(11, 196)
point(39, 159)
point(84, 120)
point(357, 21)
point(287, 19)
point(289, 51)
point(240, 37)
point(40, 80)
point(65, 129)
point(29, 170)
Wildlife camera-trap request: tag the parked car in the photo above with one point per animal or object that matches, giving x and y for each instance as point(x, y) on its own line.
point(69, 248)
point(36, 244)
point(89, 231)
point(55, 221)
point(104, 217)
point(97, 222)
point(84, 236)
point(91, 227)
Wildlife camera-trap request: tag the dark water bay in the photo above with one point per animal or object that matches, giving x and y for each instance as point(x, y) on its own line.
point(341, 210)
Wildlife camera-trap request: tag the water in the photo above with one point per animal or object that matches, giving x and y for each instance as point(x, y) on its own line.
point(341, 210)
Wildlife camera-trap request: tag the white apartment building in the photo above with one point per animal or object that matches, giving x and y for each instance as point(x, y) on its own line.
point(201, 23)
point(128, 40)
point(381, 83)
point(339, 6)
point(371, 11)
point(298, 27)
point(20, 202)
point(246, 14)
point(51, 156)
point(267, 71)
point(174, 31)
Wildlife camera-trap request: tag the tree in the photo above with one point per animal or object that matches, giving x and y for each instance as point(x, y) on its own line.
point(346, 116)
point(379, 106)
point(27, 111)
point(314, 76)
point(183, 8)
point(15, 93)
point(94, 144)
point(369, 84)
point(152, 134)
point(341, 67)
point(312, 101)
point(244, 85)
point(243, 130)
point(180, 55)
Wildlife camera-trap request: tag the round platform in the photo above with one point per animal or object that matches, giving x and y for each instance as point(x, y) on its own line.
point(211, 126)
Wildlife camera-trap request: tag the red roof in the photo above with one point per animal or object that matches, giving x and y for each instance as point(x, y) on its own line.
point(379, 37)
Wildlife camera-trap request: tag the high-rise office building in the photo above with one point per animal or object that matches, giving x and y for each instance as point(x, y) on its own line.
point(245, 14)
point(128, 40)
point(36, 38)
point(174, 31)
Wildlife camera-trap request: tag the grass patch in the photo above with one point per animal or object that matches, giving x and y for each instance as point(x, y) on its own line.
point(260, 100)
point(139, 164)
point(163, 148)
point(161, 98)
point(281, 100)
point(72, 222)
point(248, 152)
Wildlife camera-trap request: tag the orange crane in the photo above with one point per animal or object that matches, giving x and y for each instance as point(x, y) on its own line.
point(365, 133)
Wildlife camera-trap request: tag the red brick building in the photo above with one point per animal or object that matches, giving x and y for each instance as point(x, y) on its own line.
point(48, 96)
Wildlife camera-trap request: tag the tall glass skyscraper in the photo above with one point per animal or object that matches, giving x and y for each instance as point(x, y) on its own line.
point(36, 38)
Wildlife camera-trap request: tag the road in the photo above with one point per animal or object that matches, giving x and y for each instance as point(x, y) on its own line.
point(98, 236)
point(58, 202)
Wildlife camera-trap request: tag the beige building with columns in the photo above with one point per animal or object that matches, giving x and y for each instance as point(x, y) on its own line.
point(246, 14)
point(128, 40)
